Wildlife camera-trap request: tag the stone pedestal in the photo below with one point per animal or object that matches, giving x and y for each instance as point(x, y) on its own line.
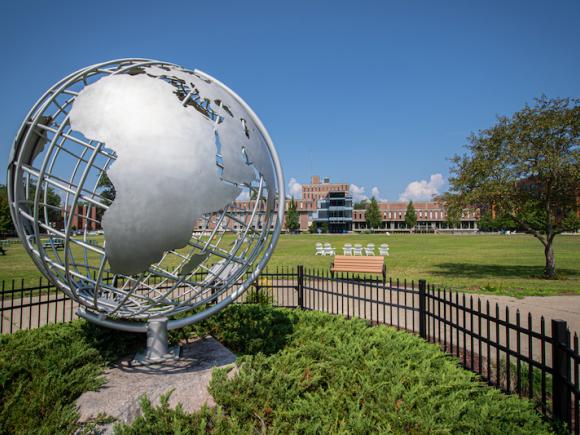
point(188, 377)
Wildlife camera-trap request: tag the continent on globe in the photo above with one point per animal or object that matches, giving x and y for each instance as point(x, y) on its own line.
point(156, 155)
point(165, 174)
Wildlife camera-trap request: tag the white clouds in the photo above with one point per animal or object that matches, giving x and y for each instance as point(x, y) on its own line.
point(294, 188)
point(376, 192)
point(358, 193)
point(423, 190)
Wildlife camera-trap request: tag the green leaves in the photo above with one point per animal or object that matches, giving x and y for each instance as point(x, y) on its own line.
point(333, 375)
point(373, 214)
point(527, 167)
point(6, 224)
point(292, 218)
point(43, 371)
point(300, 372)
point(410, 216)
point(337, 376)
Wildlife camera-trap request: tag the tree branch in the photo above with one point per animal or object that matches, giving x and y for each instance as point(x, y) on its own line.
point(555, 233)
point(529, 229)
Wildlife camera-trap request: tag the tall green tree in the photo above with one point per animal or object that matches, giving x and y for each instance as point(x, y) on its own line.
point(453, 213)
point(107, 189)
point(6, 224)
point(411, 216)
point(292, 218)
point(373, 214)
point(487, 222)
point(361, 205)
point(526, 167)
point(107, 192)
point(53, 201)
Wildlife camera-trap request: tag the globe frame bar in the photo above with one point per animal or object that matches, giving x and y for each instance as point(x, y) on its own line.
point(22, 140)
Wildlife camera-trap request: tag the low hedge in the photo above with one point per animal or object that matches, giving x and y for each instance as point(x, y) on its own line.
point(43, 372)
point(298, 372)
point(310, 372)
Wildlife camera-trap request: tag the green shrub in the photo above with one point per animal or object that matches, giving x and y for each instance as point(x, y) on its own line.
point(334, 375)
point(250, 329)
point(298, 372)
point(43, 371)
point(162, 419)
point(524, 381)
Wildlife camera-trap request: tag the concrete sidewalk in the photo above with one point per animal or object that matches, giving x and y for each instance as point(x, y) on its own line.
point(551, 307)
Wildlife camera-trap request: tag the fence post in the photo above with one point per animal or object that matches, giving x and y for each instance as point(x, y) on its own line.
point(300, 286)
point(561, 404)
point(422, 309)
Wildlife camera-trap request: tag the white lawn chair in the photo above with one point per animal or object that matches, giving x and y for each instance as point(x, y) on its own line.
point(347, 249)
point(329, 250)
point(319, 249)
point(384, 250)
point(370, 249)
point(357, 250)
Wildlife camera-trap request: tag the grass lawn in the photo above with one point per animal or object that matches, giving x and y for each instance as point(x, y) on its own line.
point(510, 265)
point(299, 372)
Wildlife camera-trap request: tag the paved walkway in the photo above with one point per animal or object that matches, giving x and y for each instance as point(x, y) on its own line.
point(551, 307)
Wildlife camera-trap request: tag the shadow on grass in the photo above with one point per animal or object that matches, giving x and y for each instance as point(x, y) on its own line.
point(469, 270)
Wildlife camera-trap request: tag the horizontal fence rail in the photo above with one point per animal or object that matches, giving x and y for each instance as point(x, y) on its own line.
point(533, 358)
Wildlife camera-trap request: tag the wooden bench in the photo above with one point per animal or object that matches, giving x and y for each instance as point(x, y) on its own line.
point(369, 264)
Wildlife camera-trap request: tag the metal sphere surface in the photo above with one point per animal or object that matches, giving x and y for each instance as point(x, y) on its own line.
point(145, 190)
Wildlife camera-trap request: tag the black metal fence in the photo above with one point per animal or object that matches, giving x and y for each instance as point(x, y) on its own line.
point(530, 357)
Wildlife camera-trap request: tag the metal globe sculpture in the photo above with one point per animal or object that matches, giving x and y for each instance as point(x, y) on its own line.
point(159, 157)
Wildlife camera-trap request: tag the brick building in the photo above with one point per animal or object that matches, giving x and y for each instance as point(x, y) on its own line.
point(431, 216)
point(85, 217)
point(317, 190)
point(316, 196)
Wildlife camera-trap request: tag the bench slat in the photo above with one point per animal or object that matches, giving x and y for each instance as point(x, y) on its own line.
point(347, 263)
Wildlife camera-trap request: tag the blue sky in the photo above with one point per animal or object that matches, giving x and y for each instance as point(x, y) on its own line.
point(378, 94)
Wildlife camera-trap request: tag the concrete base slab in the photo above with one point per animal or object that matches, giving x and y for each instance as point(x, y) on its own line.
point(188, 377)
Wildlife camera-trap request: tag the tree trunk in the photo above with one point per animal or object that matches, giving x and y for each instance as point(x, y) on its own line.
point(550, 270)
